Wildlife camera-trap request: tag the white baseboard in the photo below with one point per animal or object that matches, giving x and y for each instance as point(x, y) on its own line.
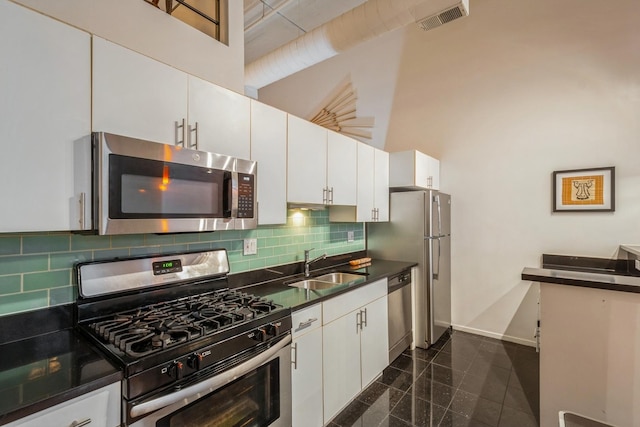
point(503, 337)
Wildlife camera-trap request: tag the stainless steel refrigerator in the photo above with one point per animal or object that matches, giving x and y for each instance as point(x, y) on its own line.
point(419, 230)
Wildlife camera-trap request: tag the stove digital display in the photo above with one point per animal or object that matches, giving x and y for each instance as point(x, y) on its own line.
point(167, 267)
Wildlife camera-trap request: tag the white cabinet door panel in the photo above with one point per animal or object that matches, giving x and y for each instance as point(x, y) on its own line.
point(306, 161)
point(306, 379)
point(374, 340)
point(366, 162)
point(342, 153)
point(45, 105)
point(269, 149)
point(223, 117)
point(341, 363)
point(381, 185)
point(136, 96)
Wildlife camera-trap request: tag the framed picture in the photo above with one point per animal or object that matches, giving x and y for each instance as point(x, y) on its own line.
point(584, 190)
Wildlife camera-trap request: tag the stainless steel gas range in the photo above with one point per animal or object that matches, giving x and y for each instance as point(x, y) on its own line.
point(193, 351)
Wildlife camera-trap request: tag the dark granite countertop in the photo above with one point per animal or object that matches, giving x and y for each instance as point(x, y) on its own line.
point(599, 273)
point(45, 362)
point(297, 298)
point(40, 371)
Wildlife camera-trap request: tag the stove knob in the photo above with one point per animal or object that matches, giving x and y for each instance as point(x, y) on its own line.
point(194, 361)
point(259, 334)
point(176, 369)
point(273, 329)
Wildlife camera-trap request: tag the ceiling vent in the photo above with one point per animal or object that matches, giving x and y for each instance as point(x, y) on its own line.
point(448, 15)
point(362, 23)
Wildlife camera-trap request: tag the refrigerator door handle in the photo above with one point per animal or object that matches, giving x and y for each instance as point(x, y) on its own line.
point(437, 197)
point(436, 270)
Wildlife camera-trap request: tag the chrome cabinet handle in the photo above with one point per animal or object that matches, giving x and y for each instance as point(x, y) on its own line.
point(80, 423)
point(294, 355)
point(82, 216)
point(358, 321)
point(325, 199)
point(191, 130)
point(331, 197)
point(304, 325)
point(364, 319)
point(178, 126)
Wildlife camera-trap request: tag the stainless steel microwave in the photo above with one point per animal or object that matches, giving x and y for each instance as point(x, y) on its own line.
point(147, 187)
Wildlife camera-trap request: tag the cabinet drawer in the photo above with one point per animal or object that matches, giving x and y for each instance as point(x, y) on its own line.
point(306, 320)
point(343, 304)
point(92, 409)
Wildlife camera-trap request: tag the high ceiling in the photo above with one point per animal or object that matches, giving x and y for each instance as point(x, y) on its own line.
point(271, 23)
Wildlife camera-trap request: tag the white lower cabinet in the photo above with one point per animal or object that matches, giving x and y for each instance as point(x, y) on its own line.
point(355, 344)
point(306, 368)
point(99, 408)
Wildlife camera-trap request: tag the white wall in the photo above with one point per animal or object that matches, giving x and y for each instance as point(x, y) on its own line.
point(141, 27)
point(504, 97)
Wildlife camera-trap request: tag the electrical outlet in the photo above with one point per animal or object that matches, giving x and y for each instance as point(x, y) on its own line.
point(250, 247)
point(350, 236)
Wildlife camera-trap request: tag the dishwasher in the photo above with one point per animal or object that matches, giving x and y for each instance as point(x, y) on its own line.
point(400, 313)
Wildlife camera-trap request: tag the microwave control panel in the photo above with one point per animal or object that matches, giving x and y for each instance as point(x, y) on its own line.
point(246, 192)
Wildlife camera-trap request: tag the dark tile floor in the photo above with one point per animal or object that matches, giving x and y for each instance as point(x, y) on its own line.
point(462, 380)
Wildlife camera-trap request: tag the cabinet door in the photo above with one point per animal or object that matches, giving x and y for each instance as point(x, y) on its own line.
point(136, 96)
point(341, 363)
point(434, 172)
point(306, 379)
point(223, 117)
point(100, 408)
point(366, 175)
point(45, 82)
point(269, 149)
point(342, 168)
point(374, 340)
point(306, 161)
point(381, 185)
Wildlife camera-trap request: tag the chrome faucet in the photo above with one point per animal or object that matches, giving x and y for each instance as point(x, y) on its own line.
point(307, 262)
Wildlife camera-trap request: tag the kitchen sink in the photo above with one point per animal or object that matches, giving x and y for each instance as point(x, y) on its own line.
point(314, 284)
point(341, 278)
point(327, 281)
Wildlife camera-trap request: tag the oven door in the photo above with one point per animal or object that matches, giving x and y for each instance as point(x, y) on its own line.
point(255, 393)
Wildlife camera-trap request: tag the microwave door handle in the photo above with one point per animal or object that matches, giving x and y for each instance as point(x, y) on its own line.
point(227, 207)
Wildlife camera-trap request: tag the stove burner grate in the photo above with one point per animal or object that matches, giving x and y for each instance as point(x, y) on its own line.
point(148, 329)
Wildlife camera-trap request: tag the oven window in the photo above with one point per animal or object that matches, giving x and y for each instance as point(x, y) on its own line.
point(251, 401)
point(142, 188)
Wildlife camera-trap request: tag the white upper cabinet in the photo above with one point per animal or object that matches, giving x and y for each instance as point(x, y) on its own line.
point(306, 162)
point(414, 170)
point(321, 165)
point(269, 149)
point(381, 185)
point(137, 96)
point(342, 154)
point(366, 175)
point(372, 188)
point(223, 119)
point(45, 108)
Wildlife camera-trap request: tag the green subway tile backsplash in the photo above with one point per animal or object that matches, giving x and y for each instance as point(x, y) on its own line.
point(35, 244)
point(9, 245)
point(10, 284)
point(36, 268)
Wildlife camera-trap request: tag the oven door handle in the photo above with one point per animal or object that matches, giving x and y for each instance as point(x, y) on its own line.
point(210, 384)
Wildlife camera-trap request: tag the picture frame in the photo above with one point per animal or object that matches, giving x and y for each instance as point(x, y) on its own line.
point(584, 190)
